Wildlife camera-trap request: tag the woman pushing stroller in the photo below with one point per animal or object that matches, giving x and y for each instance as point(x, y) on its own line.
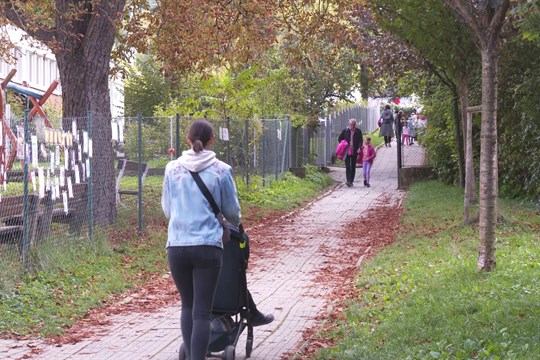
point(194, 244)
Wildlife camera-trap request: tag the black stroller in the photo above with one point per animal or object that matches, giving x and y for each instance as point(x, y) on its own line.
point(231, 306)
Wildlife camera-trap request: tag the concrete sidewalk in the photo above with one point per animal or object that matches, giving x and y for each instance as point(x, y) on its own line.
point(283, 284)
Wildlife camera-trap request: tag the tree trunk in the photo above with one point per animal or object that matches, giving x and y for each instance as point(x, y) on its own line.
point(488, 159)
point(84, 73)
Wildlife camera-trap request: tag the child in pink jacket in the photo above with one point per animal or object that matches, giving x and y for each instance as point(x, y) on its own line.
point(368, 154)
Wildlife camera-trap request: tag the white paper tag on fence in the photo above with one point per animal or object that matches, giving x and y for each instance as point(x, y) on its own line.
point(35, 161)
point(48, 181)
point(279, 134)
point(87, 168)
point(53, 193)
point(43, 150)
point(77, 175)
point(33, 178)
point(66, 158)
point(120, 131)
point(70, 187)
point(90, 146)
point(80, 152)
point(57, 186)
point(41, 183)
point(65, 200)
point(85, 142)
point(51, 166)
point(57, 155)
point(224, 134)
point(114, 129)
point(74, 127)
point(62, 177)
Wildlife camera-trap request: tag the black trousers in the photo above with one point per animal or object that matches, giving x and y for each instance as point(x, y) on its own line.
point(195, 271)
point(350, 167)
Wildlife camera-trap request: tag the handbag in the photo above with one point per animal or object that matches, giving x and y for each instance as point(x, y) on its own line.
point(224, 223)
point(341, 149)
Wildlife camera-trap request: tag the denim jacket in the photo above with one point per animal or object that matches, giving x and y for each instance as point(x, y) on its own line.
point(191, 219)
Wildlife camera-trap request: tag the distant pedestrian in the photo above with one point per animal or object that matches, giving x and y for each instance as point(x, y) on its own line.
point(411, 124)
point(387, 125)
point(368, 154)
point(353, 136)
point(405, 134)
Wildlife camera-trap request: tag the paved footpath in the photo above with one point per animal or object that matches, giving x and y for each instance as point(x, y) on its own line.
point(283, 284)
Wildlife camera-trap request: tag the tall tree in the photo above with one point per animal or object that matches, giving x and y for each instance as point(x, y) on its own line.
point(448, 51)
point(486, 18)
point(145, 88)
point(81, 35)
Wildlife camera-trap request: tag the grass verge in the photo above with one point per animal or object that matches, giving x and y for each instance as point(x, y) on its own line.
point(70, 279)
point(423, 298)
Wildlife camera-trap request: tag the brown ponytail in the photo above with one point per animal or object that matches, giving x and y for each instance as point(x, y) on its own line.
point(200, 133)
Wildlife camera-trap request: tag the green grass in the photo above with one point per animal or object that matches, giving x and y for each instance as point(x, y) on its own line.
point(288, 193)
point(423, 298)
point(375, 139)
point(69, 279)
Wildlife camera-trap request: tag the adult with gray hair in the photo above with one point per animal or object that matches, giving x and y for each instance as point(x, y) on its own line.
point(353, 136)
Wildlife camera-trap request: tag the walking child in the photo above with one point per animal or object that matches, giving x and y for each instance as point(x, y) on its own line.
point(405, 135)
point(368, 154)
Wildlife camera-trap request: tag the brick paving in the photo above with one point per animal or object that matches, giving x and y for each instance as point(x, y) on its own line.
point(282, 284)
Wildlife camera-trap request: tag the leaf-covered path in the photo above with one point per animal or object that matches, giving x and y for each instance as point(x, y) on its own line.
point(301, 269)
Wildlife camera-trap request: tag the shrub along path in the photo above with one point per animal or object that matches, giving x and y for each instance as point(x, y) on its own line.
point(302, 268)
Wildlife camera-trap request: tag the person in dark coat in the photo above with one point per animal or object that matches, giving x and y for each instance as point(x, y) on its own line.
point(353, 136)
point(387, 125)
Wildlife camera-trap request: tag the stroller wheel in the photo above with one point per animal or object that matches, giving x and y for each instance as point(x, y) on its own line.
point(249, 347)
point(182, 352)
point(229, 352)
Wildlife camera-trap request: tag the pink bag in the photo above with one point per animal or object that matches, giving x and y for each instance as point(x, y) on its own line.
point(341, 148)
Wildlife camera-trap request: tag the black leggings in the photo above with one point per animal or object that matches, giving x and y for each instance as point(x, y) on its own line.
point(195, 271)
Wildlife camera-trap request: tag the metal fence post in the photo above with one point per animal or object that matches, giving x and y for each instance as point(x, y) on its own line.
point(285, 143)
point(263, 161)
point(247, 152)
point(177, 152)
point(139, 174)
point(228, 125)
point(276, 161)
point(26, 210)
point(89, 180)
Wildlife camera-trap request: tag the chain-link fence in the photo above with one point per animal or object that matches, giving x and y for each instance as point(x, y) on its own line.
point(410, 151)
point(50, 198)
point(324, 139)
point(44, 197)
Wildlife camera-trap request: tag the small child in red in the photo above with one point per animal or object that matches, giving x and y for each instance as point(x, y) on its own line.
point(368, 154)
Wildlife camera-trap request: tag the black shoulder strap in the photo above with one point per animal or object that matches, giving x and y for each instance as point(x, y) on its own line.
point(205, 192)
